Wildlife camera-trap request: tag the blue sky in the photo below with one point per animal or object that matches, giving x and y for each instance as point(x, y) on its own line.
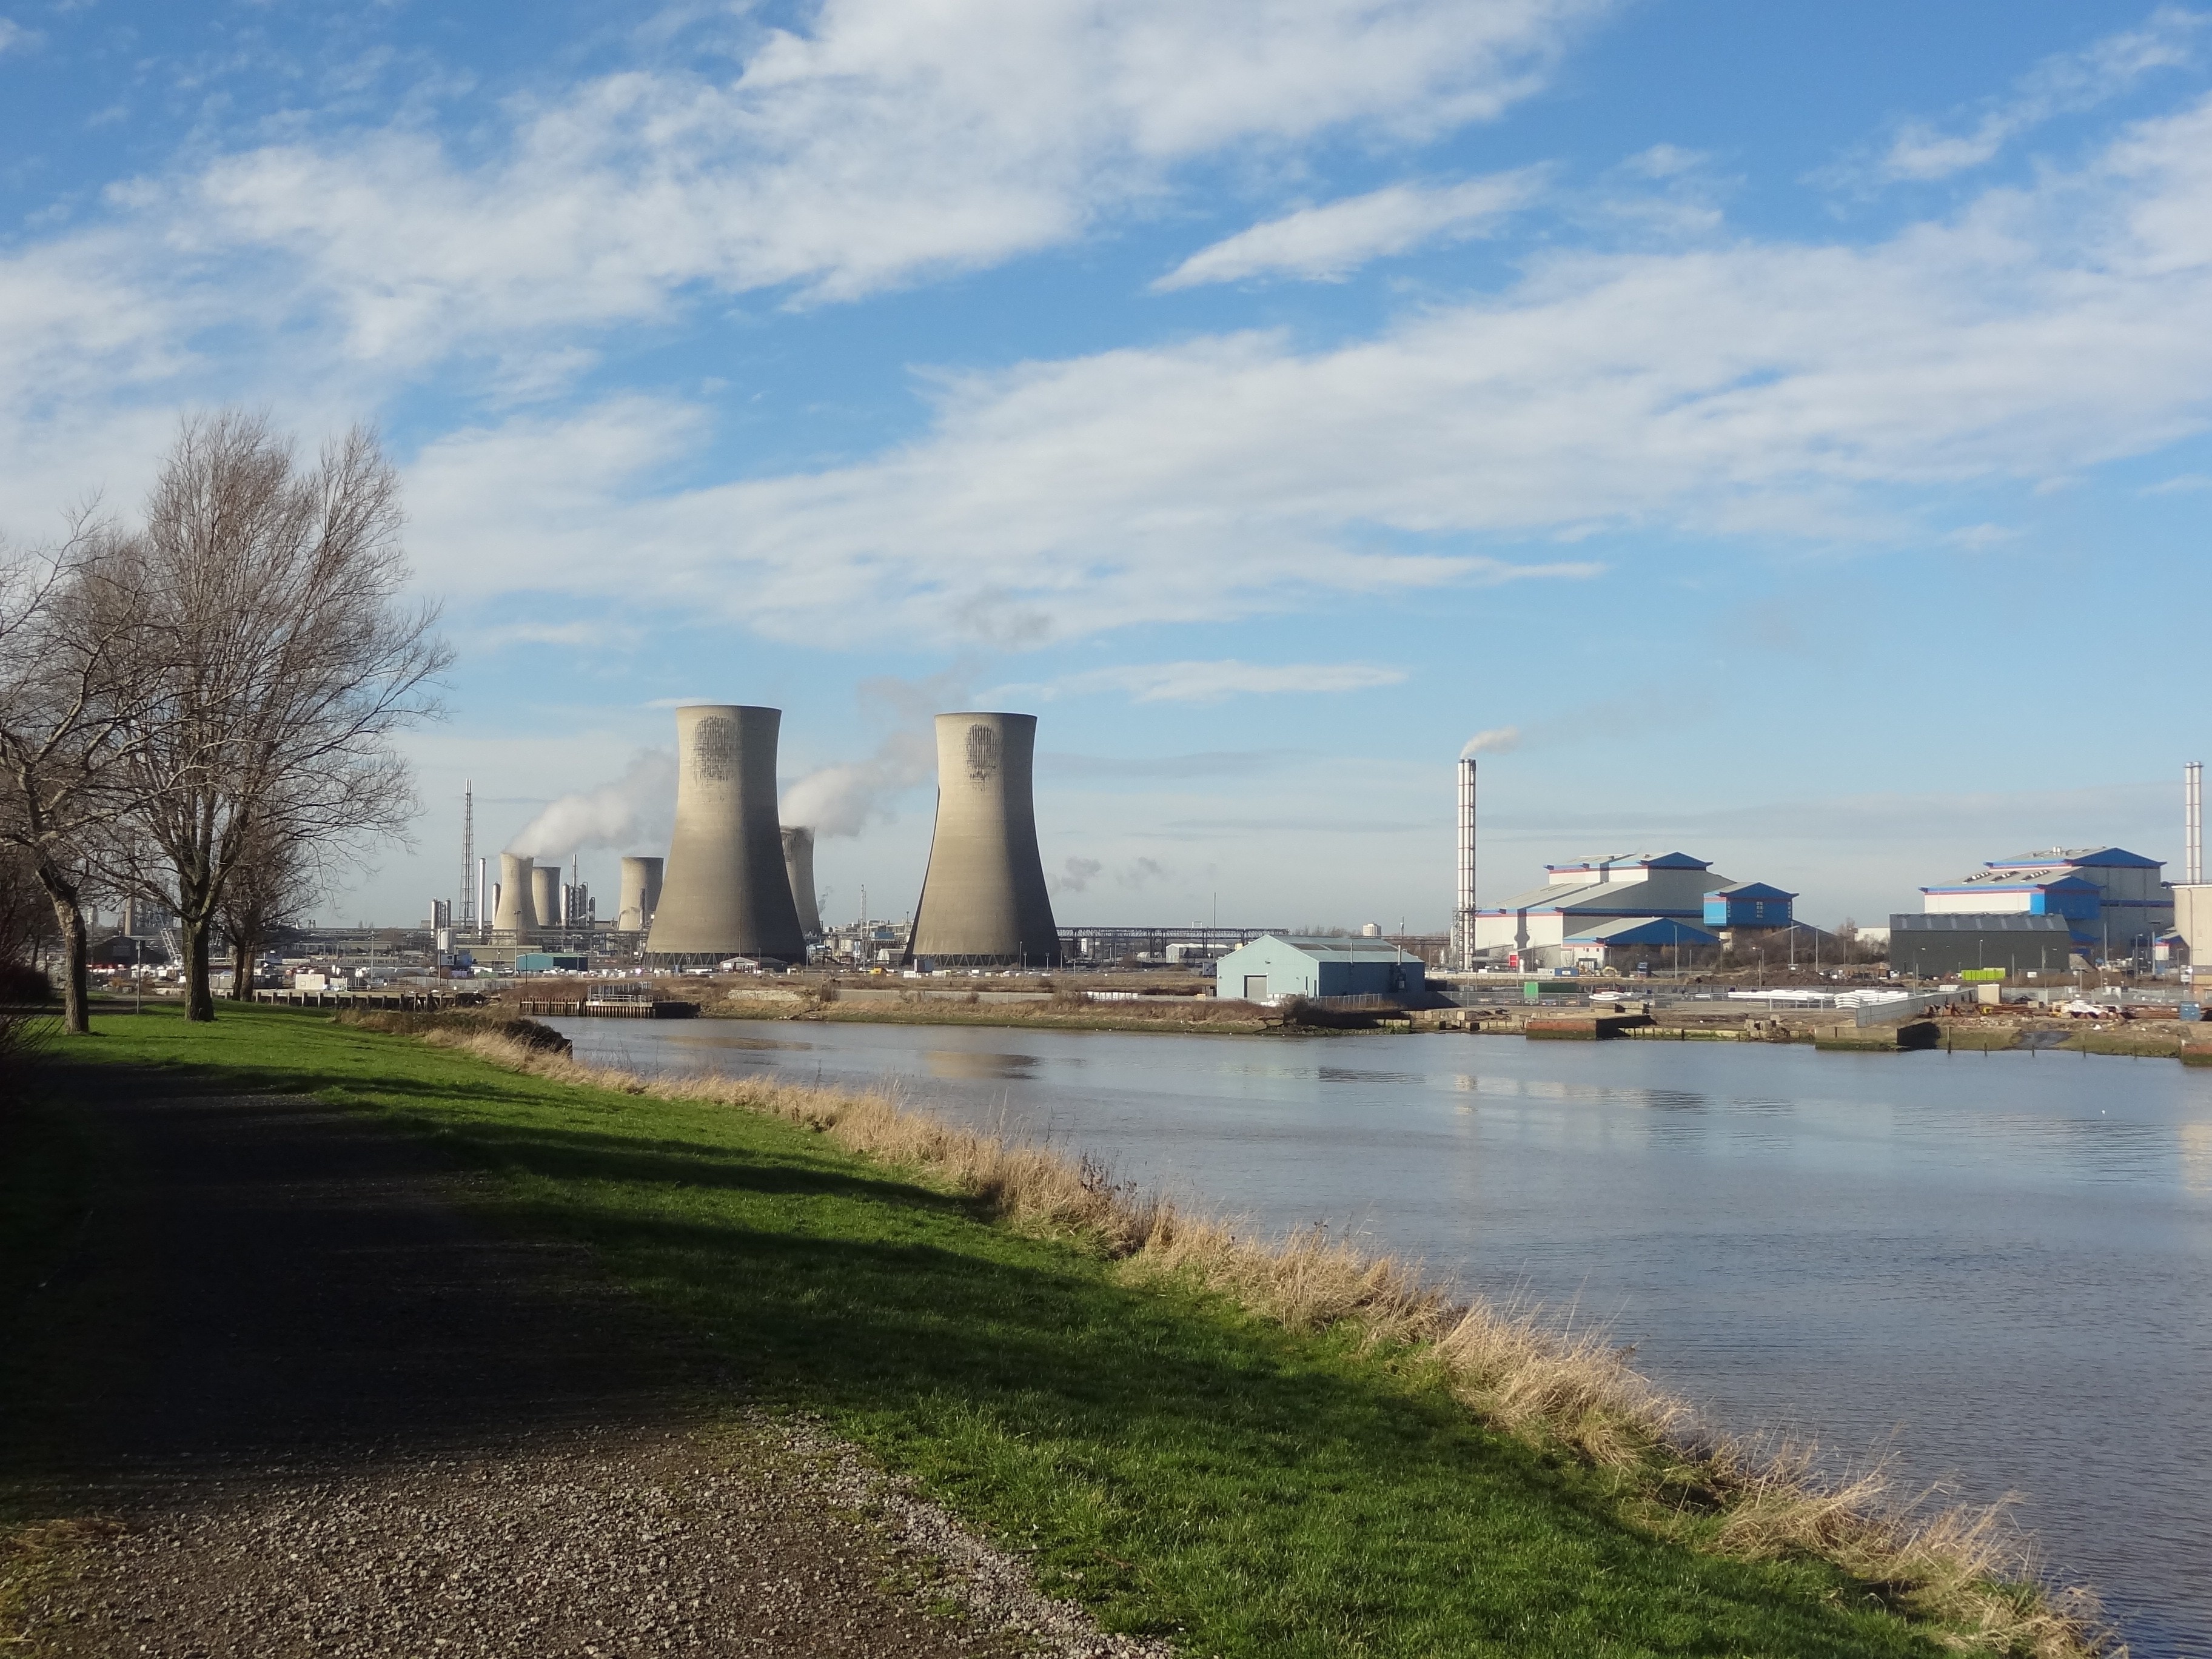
point(1790, 421)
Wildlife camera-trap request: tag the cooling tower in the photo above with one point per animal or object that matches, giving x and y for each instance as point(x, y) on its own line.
point(798, 863)
point(516, 915)
point(984, 901)
point(545, 894)
point(640, 894)
point(727, 893)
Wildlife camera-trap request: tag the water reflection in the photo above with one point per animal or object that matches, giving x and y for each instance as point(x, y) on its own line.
point(957, 1066)
point(2005, 1264)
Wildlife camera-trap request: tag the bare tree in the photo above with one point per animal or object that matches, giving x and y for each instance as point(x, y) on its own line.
point(282, 660)
point(268, 889)
point(66, 726)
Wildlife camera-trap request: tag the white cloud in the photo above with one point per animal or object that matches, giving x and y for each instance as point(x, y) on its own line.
point(2063, 84)
point(13, 36)
point(1210, 682)
point(888, 142)
point(2181, 484)
point(1755, 388)
point(1328, 243)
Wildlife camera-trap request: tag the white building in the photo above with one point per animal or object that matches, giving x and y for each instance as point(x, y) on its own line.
point(1587, 906)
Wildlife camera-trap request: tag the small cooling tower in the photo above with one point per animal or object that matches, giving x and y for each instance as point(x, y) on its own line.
point(799, 863)
point(984, 901)
point(727, 893)
point(640, 894)
point(516, 915)
point(545, 895)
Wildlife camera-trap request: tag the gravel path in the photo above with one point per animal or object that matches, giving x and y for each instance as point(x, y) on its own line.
point(343, 1419)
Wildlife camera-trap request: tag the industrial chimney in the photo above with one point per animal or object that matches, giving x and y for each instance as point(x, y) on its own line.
point(2192, 822)
point(1464, 895)
point(727, 892)
point(545, 895)
point(640, 894)
point(799, 863)
point(518, 915)
point(983, 900)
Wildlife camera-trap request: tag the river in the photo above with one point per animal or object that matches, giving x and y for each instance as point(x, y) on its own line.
point(1994, 1267)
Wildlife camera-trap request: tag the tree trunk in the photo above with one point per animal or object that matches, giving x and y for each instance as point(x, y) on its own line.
point(242, 953)
point(76, 974)
point(199, 1000)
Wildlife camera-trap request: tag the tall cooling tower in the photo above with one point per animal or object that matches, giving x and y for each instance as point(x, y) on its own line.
point(517, 914)
point(727, 893)
point(640, 894)
point(798, 863)
point(984, 901)
point(545, 894)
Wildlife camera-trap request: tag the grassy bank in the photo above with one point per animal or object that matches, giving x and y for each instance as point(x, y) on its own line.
point(1260, 1451)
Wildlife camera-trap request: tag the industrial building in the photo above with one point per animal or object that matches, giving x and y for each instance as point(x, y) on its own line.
point(1943, 944)
point(1589, 908)
point(984, 902)
point(1276, 965)
point(2114, 903)
point(726, 892)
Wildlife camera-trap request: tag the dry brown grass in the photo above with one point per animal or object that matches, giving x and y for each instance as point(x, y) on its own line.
point(1963, 1568)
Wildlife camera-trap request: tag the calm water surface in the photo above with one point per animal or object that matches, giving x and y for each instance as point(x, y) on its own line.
point(1996, 1266)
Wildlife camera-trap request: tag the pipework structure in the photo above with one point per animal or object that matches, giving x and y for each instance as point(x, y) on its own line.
point(518, 911)
point(726, 892)
point(1463, 891)
point(798, 863)
point(983, 900)
point(640, 895)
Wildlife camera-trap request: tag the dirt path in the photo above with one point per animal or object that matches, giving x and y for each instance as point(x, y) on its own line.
point(332, 1414)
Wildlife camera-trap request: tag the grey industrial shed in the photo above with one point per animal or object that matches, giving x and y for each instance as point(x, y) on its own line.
point(1946, 943)
point(1274, 966)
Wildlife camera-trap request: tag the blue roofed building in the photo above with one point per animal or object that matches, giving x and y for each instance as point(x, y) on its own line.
point(1750, 904)
point(1589, 908)
point(2114, 903)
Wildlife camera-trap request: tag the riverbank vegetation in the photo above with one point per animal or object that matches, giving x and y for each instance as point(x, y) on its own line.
point(1258, 1447)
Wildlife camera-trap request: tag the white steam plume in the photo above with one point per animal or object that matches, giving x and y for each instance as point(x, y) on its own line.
point(638, 808)
point(1496, 741)
point(841, 799)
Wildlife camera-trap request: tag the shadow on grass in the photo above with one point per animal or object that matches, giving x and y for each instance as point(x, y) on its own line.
point(1180, 1465)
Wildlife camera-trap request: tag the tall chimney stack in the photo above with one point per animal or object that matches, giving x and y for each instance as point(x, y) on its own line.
point(1463, 895)
point(2192, 822)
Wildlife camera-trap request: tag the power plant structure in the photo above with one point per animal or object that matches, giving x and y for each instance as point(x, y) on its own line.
point(727, 893)
point(640, 894)
point(545, 895)
point(983, 900)
point(798, 863)
point(517, 914)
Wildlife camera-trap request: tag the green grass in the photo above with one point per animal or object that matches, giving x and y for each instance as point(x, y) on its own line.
point(1177, 1464)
